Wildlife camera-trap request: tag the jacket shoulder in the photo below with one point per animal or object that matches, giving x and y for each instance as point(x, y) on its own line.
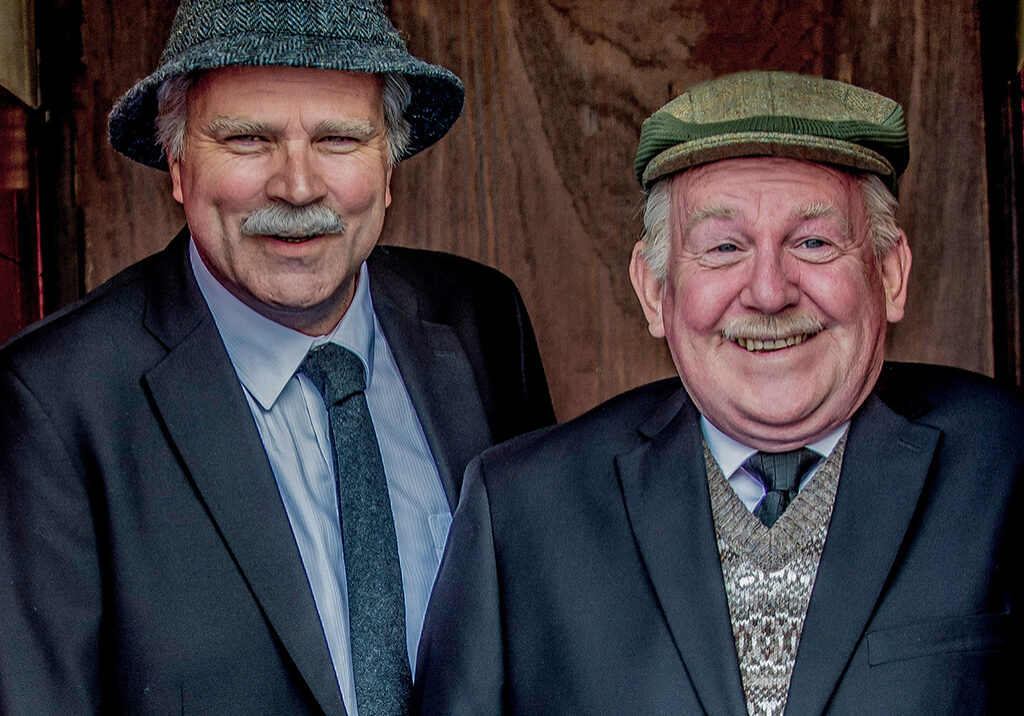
point(611, 428)
point(915, 389)
point(100, 329)
point(479, 302)
point(423, 269)
point(964, 405)
point(78, 324)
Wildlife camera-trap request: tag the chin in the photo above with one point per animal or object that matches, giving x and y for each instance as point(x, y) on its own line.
point(782, 409)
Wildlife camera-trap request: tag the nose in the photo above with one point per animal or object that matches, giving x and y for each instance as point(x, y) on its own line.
point(772, 286)
point(296, 178)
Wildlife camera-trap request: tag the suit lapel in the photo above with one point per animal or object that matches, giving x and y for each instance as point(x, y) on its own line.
point(438, 376)
point(664, 486)
point(198, 396)
point(884, 469)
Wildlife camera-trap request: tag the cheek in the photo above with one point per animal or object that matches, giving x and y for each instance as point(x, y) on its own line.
point(698, 303)
point(847, 298)
point(359, 188)
point(239, 188)
point(226, 191)
point(692, 314)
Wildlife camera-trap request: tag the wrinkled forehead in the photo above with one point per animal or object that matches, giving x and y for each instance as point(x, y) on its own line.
point(762, 186)
point(245, 83)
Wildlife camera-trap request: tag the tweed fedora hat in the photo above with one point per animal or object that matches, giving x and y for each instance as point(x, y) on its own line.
point(350, 35)
point(779, 114)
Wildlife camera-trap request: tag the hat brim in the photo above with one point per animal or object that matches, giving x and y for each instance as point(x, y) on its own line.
point(825, 150)
point(436, 103)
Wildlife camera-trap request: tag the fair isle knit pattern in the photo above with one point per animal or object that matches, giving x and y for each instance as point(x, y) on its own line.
point(769, 574)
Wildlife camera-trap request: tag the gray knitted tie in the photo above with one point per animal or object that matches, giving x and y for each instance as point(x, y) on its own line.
point(780, 473)
point(376, 606)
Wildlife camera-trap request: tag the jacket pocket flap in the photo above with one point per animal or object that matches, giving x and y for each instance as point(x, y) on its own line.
point(984, 632)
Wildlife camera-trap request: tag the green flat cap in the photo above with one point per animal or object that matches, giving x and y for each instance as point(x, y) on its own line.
point(777, 114)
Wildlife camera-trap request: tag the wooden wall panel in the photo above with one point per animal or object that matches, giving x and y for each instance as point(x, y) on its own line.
point(542, 158)
point(540, 166)
point(536, 178)
point(927, 56)
point(127, 209)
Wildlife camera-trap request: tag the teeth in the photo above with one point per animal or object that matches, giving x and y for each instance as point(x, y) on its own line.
point(753, 344)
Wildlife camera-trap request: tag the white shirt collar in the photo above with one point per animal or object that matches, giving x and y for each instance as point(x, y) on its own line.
point(266, 354)
point(731, 454)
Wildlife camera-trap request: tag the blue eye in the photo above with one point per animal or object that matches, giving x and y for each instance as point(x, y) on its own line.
point(726, 248)
point(814, 243)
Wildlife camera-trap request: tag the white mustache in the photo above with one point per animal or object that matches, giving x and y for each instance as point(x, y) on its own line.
point(293, 221)
point(770, 328)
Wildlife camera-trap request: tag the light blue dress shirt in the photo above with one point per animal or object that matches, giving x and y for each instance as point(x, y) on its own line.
point(292, 422)
point(731, 454)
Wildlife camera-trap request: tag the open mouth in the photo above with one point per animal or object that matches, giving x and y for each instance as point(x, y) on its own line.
point(768, 333)
point(754, 345)
point(758, 345)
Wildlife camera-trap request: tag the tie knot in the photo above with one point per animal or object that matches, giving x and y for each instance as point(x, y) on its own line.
point(336, 372)
point(781, 470)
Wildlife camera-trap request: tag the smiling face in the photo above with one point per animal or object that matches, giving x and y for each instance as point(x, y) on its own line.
point(271, 140)
point(774, 305)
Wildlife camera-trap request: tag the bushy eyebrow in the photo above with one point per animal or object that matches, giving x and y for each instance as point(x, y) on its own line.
point(823, 210)
point(714, 211)
point(818, 210)
point(358, 128)
point(225, 126)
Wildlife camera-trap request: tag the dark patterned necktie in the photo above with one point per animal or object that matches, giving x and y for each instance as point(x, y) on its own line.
point(780, 473)
point(376, 605)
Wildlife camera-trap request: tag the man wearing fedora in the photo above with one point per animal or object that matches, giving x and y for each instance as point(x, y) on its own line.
point(793, 525)
point(227, 475)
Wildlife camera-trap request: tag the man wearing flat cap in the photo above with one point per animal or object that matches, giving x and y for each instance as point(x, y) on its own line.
point(227, 475)
point(792, 526)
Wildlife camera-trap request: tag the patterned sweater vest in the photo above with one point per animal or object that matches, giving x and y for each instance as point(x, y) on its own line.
point(769, 574)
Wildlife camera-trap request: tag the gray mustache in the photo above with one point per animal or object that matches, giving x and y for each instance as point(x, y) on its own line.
point(770, 328)
point(295, 221)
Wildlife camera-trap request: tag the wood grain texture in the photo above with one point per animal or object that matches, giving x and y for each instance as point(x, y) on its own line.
point(127, 209)
point(539, 169)
point(926, 55)
point(536, 177)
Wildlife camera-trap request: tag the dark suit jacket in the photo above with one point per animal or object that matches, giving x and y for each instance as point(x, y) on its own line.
point(582, 574)
point(146, 558)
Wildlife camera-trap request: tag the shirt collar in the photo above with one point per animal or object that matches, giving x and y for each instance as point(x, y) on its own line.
point(731, 454)
point(266, 354)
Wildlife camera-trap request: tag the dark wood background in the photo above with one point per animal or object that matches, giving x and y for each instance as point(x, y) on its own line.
point(536, 177)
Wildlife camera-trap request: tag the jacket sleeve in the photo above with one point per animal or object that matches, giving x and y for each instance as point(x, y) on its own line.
point(460, 664)
point(523, 405)
point(540, 412)
point(49, 565)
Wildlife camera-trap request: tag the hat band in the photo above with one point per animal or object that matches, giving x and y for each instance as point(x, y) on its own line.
point(663, 131)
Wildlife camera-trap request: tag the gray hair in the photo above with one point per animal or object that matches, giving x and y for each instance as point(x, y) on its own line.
point(172, 115)
point(879, 202)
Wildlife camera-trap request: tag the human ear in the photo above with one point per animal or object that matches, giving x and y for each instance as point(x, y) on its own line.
point(895, 270)
point(174, 165)
point(649, 289)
